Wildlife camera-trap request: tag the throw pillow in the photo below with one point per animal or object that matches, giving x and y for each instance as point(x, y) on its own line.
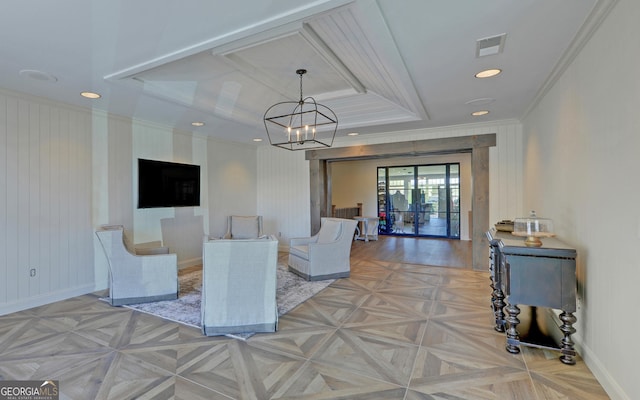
point(329, 231)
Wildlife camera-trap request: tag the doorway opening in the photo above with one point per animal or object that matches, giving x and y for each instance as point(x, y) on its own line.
point(420, 200)
point(478, 145)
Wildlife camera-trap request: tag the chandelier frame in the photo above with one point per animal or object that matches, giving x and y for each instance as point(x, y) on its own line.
point(309, 125)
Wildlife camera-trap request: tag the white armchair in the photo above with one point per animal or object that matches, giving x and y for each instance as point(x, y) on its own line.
point(239, 282)
point(244, 227)
point(137, 278)
point(326, 254)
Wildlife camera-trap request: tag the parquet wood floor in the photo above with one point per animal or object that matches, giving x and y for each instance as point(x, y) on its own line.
point(398, 328)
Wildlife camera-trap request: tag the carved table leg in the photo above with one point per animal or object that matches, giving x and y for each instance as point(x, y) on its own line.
point(513, 339)
point(497, 300)
point(567, 349)
point(493, 295)
point(498, 305)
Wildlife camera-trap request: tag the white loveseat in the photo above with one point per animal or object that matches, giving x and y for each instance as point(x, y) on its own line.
point(326, 254)
point(239, 282)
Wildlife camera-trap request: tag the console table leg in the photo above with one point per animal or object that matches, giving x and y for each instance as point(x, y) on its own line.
point(498, 306)
point(513, 339)
point(567, 349)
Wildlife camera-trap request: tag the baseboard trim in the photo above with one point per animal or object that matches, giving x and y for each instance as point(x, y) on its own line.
point(44, 299)
point(593, 362)
point(602, 375)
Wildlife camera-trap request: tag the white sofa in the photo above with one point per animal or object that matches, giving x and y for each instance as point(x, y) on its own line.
point(326, 254)
point(239, 282)
point(137, 278)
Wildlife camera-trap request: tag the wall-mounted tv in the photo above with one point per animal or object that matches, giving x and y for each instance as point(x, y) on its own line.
point(167, 184)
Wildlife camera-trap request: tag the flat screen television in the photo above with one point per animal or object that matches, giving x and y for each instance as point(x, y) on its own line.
point(167, 184)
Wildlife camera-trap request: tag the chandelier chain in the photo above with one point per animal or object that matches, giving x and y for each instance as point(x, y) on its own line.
point(301, 72)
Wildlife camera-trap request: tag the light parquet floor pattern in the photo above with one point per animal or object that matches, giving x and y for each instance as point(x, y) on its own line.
point(393, 330)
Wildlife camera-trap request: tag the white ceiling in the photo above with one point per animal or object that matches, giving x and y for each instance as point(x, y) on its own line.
point(384, 65)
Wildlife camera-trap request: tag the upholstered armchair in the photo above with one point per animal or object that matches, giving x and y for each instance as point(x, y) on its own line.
point(136, 278)
point(326, 254)
point(244, 227)
point(239, 286)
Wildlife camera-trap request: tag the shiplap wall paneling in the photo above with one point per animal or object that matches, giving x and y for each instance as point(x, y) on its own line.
point(42, 170)
point(45, 203)
point(22, 189)
point(81, 232)
point(36, 246)
point(9, 199)
point(506, 174)
point(3, 199)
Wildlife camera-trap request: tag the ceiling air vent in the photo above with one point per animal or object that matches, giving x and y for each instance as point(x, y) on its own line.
point(490, 46)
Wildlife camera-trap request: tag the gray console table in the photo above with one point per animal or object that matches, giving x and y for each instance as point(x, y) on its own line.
point(533, 277)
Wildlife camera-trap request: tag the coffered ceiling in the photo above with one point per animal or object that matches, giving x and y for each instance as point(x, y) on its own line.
point(382, 66)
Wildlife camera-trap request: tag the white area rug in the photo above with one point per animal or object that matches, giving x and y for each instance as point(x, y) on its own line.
point(291, 291)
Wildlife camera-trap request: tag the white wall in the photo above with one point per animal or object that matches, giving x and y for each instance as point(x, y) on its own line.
point(582, 146)
point(232, 183)
point(283, 193)
point(355, 182)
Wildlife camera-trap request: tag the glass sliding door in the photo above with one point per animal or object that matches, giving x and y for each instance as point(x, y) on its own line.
point(400, 198)
point(420, 200)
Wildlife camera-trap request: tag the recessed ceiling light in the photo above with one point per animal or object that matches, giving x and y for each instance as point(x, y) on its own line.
point(479, 113)
point(197, 123)
point(352, 134)
point(488, 73)
point(90, 95)
point(257, 140)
